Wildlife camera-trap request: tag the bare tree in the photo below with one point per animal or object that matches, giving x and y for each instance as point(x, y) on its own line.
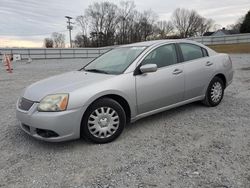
point(205, 26)
point(81, 40)
point(186, 22)
point(48, 43)
point(103, 20)
point(58, 40)
point(163, 28)
point(134, 33)
point(105, 23)
point(146, 23)
point(125, 21)
point(82, 22)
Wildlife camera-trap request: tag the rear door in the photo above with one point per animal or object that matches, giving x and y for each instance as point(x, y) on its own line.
point(198, 69)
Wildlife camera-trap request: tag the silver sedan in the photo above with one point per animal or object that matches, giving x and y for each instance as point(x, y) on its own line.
point(123, 85)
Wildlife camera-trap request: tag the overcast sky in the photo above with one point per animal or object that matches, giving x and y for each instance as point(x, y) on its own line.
point(27, 22)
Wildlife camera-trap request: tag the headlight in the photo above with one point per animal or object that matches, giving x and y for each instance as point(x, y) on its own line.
point(54, 103)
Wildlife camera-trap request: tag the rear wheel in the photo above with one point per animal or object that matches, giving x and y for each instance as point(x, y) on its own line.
point(103, 121)
point(215, 92)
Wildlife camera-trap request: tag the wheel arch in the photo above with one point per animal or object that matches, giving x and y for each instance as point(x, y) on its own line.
point(218, 74)
point(123, 101)
point(222, 77)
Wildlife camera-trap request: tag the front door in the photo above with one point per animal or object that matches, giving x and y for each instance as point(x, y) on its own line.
point(163, 87)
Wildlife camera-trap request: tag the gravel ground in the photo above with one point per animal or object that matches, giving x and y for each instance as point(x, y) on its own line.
point(190, 146)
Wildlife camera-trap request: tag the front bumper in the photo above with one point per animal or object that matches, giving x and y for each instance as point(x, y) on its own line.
point(65, 125)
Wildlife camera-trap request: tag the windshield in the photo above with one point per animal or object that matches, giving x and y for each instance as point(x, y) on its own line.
point(115, 61)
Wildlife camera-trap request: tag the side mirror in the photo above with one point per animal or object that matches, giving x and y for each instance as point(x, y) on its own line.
point(148, 68)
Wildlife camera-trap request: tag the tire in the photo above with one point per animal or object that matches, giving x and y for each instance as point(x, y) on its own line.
point(215, 92)
point(103, 121)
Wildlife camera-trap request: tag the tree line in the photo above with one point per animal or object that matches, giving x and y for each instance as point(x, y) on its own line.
point(107, 23)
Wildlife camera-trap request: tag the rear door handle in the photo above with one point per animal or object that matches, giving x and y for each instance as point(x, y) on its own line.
point(209, 63)
point(177, 71)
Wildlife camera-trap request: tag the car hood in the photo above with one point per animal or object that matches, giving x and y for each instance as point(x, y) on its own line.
point(64, 83)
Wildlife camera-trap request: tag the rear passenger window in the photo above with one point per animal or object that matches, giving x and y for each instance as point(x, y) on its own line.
point(191, 51)
point(162, 56)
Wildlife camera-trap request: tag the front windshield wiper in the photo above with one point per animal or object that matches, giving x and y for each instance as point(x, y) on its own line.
point(96, 70)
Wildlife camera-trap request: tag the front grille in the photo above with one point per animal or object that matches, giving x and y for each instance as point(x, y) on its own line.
point(25, 104)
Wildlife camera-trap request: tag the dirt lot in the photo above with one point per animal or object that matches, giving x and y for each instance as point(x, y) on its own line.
point(231, 48)
point(191, 146)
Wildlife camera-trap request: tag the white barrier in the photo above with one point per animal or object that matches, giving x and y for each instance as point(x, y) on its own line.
point(226, 39)
point(63, 53)
point(53, 53)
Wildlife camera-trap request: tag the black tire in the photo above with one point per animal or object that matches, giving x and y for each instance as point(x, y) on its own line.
point(105, 103)
point(209, 99)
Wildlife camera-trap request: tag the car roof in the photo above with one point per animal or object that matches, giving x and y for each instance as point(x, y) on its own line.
point(153, 43)
point(156, 42)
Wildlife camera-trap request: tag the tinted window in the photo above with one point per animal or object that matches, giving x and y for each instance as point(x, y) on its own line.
point(191, 51)
point(162, 56)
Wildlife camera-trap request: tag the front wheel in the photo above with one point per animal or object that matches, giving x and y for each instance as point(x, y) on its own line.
point(103, 121)
point(215, 92)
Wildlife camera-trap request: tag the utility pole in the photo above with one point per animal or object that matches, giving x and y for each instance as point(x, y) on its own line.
point(69, 27)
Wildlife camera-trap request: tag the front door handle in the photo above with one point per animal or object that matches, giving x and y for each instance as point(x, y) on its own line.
point(177, 71)
point(209, 63)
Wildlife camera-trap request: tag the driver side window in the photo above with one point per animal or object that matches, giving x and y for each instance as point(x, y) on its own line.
point(162, 56)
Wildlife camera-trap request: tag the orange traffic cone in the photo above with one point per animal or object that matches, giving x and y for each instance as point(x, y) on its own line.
point(7, 63)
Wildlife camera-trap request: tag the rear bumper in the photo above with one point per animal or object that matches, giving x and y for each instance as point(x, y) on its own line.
point(65, 125)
